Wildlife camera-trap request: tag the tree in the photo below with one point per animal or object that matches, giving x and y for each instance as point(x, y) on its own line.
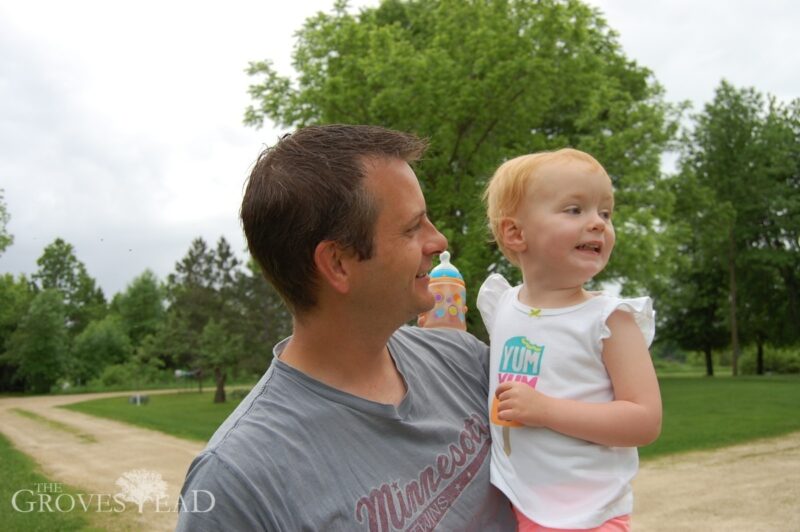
point(486, 80)
point(743, 152)
point(38, 347)
point(60, 269)
point(264, 319)
point(218, 351)
point(141, 307)
point(100, 344)
point(692, 298)
point(6, 239)
point(15, 298)
point(205, 311)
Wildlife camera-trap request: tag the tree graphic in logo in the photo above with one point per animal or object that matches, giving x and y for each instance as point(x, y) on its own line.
point(141, 485)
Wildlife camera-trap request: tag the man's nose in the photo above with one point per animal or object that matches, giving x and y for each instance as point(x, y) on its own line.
point(437, 242)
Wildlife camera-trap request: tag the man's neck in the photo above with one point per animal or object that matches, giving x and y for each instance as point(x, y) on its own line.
point(346, 357)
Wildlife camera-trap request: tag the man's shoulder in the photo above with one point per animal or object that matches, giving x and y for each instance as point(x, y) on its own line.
point(437, 335)
point(444, 341)
point(261, 416)
point(454, 352)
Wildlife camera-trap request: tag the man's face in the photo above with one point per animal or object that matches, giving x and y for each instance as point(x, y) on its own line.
point(394, 282)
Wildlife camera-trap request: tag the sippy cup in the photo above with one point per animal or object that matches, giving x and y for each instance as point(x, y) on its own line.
point(447, 286)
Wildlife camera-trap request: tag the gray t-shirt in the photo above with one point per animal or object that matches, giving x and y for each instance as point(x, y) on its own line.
point(297, 454)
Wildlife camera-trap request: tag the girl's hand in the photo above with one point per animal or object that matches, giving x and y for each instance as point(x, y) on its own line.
point(520, 402)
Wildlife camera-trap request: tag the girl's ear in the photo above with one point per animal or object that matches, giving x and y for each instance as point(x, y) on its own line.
point(511, 235)
point(331, 263)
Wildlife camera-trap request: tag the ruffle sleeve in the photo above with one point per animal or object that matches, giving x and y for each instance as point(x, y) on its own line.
point(489, 296)
point(643, 314)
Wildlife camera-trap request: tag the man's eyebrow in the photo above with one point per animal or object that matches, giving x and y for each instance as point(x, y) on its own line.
point(417, 217)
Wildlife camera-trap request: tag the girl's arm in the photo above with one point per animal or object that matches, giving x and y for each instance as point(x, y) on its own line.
point(632, 419)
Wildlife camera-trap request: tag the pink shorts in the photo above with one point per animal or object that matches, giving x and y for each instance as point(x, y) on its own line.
point(617, 524)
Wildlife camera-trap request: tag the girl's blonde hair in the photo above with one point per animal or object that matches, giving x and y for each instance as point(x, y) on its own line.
point(507, 188)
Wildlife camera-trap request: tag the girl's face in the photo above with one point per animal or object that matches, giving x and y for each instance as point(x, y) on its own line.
point(565, 222)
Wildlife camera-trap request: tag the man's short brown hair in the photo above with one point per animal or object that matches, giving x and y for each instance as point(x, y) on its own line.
point(309, 188)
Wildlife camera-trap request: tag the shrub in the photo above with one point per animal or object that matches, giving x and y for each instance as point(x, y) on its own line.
point(776, 360)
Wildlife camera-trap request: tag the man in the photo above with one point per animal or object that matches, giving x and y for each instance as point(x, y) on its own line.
point(359, 423)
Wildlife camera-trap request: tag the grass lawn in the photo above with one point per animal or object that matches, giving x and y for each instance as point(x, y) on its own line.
point(699, 412)
point(18, 472)
point(189, 415)
point(704, 413)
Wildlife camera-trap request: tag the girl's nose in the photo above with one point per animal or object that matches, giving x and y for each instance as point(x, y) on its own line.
point(597, 222)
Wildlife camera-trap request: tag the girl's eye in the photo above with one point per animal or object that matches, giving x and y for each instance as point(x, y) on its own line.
point(606, 215)
point(573, 210)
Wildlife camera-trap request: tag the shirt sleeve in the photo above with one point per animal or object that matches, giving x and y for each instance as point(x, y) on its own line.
point(489, 296)
point(643, 314)
point(215, 497)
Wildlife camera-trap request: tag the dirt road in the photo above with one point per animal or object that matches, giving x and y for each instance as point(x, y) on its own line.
point(749, 488)
point(95, 452)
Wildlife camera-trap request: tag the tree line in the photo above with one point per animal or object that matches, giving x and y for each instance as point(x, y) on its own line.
point(210, 317)
point(716, 242)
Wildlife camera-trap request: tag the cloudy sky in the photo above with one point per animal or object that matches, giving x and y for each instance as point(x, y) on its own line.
point(121, 122)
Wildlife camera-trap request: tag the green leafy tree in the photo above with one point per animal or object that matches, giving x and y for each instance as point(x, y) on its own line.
point(59, 269)
point(141, 307)
point(6, 239)
point(485, 80)
point(219, 350)
point(191, 289)
point(743, 151)
point(205, 288)
point(264, 319)
point(100, 344)
point(38, 347)
point(15, 298)
point(692, 299)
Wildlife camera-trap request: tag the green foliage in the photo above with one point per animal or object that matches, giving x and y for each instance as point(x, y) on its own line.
point(219, 350)
point(781, 360)
point(102, 343)
point(6, 239)
point(59, 269)
point(19, 473)
point(737, 199)
point(220, 316)
point(188, 415)
point(485, 80)
point(264, 319)
point(15, 298)
point(702, 413)
point(38, 347)
point(129, 375)
point(141, 307)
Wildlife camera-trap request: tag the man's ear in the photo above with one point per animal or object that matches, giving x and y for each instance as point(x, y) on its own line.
point(511, 235)
point(330, 260)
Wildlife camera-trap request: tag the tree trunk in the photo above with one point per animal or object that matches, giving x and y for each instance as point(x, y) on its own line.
point(734, 327)
point(219, 378)
point(760, 355)
point(709, 362)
